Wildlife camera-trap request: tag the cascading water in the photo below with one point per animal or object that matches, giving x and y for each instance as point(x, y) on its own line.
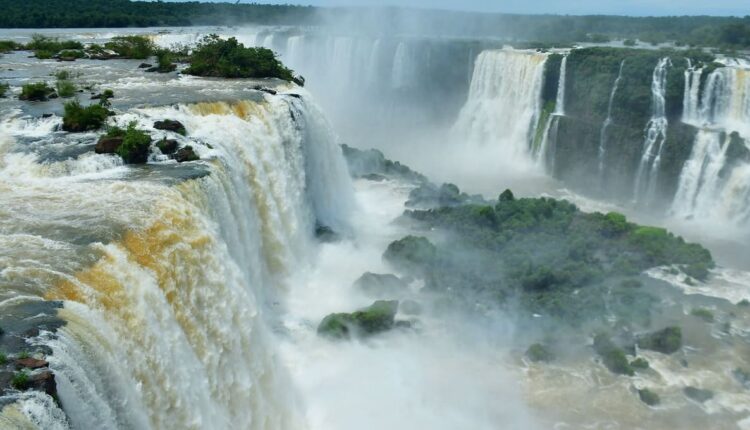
point(166, 281)
point(560, 99)
point(691, 98)
point(504, 101)
point(656, 135)
point(543, 154)
point(608, 123)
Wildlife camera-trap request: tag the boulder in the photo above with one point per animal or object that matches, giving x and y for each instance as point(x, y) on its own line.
point(145, 66)
point(265, 90)
point(698, 394)
point(43, 381)
point(108, 145)
point(378, 285)
point(185, 154)
point(170, 125)
point(31, 363)
point(666, 341)
point(167, 146)
point(326, 234)
point(377, 318)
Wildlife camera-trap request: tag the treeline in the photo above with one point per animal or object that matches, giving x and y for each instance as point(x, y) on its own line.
point(125, 13)
point(723, 32)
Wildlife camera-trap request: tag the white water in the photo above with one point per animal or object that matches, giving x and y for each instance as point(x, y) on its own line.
point(656, 135)
point(608, 123)
point(560, 99)
point(504, 103)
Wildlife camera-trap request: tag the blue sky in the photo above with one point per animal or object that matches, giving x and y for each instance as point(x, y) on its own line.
point(573, 7)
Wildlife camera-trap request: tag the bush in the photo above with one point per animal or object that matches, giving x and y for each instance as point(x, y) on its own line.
point(649, 397)
point(24, 355)
point(214, 57)
point(77, 118)
point(640, 364)
point(46, 47)
point(9, 45)
point(704, 314)
point(629, 42)
point(66, 89)
point(20, 380)
point(38, 91)
point(135, 145)
point(412, 253)
point(71, 54)
point(135, 47)
point(538, 352)
point(377, 318)
point(612, 356)
point(164, 60)
point(666, 341)
point(3, 359)
point(4, 89)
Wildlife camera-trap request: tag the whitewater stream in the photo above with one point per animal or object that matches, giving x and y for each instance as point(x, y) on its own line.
point(187, 296)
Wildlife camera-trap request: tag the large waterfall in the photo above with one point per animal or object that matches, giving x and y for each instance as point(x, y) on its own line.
point(167, 276)
point(504, 101)
point(713, 185)
point(603, 135)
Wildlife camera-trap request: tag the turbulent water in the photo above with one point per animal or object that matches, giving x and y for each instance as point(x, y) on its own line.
point(190, 293)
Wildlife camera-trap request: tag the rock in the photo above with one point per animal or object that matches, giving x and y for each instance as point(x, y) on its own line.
point(152, 70)
point(52, 96)
point(666, 341)
point(294, 96)
point(46, 115)
point(43, 381)
point(377, 318)
point(649, 397)
point(31, 363)
point(698, 394)
point(145, 66)
point(412, 254)
point(539, 353)
point(265, 90)
point(108, 145)
point(374, 177)
point(326, 234)
point(377, 285)
point(170, 125)
point(167, 146)
point(185, 154)
point(167, 69)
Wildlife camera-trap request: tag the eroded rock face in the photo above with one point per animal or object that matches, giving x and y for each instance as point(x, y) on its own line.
point(167, 146)
point(170, 125)
point(185, 154)
point(43, 381)
point(108, 145)
point(31, 363)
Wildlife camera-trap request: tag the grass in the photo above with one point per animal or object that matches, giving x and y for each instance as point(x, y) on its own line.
point(66, 89)
point(20, 380)
point(135, 47)
point(37, 91)
point(78, 118)
point(23, 355)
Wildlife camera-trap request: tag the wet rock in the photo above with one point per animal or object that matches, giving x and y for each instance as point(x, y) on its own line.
point(265, 90)
point(378, 285)
point(52, 96)
point(145, 66)
point(295, 96)
point(185, 154)
point(108, 145)
point(43, 381)
point(666, 341)
point(539, 353)
point(31, 363)
point(374, 177)
point(649, 397)
point(46, 115)
point(167, 146)
point(377, 318)
point(326, 234)
point(698, 394)
point(170, 125)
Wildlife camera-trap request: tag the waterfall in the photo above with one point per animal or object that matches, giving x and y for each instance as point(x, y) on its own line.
point(656, 135)
point(607, 123)
point(560, 100)
point(167, 284)
point(402, 74)
point(504, 101)
point(711, 185)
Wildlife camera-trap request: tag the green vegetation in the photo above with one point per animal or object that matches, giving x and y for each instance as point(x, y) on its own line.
point(164, 61)
point(135, 144)
point(9, 45)
point(377, 318)
point(24, 354)
point(47, 47)
point(4, 89)
point(666, 341)
point(3, 359)
point(411, 253)
point(134, 46)
point(65, 88)
point(539, 353)
point(214, 57)
point(744, 303)
point(20, 380)
point(640, 363)
point(77, 118)
point(612, 357)
point(704, 314)
point(38, 91)
point(649, 397)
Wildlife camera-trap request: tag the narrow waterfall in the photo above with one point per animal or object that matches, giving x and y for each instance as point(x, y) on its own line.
point(656, 134)
point(504, 101)
point(712, 185)
point(168, 299)
point(603, 135)
point(402, 74)
point(560, 100)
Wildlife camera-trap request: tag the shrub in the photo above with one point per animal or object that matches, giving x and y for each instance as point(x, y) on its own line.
point(20, 380)
point(71, 54)
point(649, 397)
point(164, 60)
point(77, 118)
point(666, 341)
point(135, 47)
point(703, 313)
point(9, 45)
point(3, 359)
point(38, 91)
point(4, 89)
point(214, 57)
point(135, 144)
point(24, 354)
point(411, 253)
point(46, 47)
point(640, 363)
point(613, 357)
point(629, 42)
point(538, 352)
point(66, 89)
point(377, 318)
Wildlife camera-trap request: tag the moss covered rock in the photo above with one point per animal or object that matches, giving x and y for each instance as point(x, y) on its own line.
point(666, 341)
point(649, 397)
point(539, 353)
point(377, 318)
point(411, 254)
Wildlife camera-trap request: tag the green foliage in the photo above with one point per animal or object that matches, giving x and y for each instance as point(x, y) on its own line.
point(132, 46)
point(649, 397)
point(704, 314)
point(4, 89)
point(539, 353)
point(164, 60)
point(640, 364)
point(411, 253)
point(3, 359)
point(37, 91)
point(77, 118)
point(20, 380)
point(24, 354)
point(629, 42)
point(666, 341)
point(744, 303)
point(377, 318)
point(612, 357)
point(71, 54)
point(66, 89)
point(9, 45)
point(215, 57)
point(47, 47)
point(135, 145)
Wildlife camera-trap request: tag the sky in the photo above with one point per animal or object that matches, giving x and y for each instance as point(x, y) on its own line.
point(572, 7)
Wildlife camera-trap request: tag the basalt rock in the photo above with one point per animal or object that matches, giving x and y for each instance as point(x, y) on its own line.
point(170, 125)
point(31, 363)
point(185, 154)
point(167, 146)
point(108, 145)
